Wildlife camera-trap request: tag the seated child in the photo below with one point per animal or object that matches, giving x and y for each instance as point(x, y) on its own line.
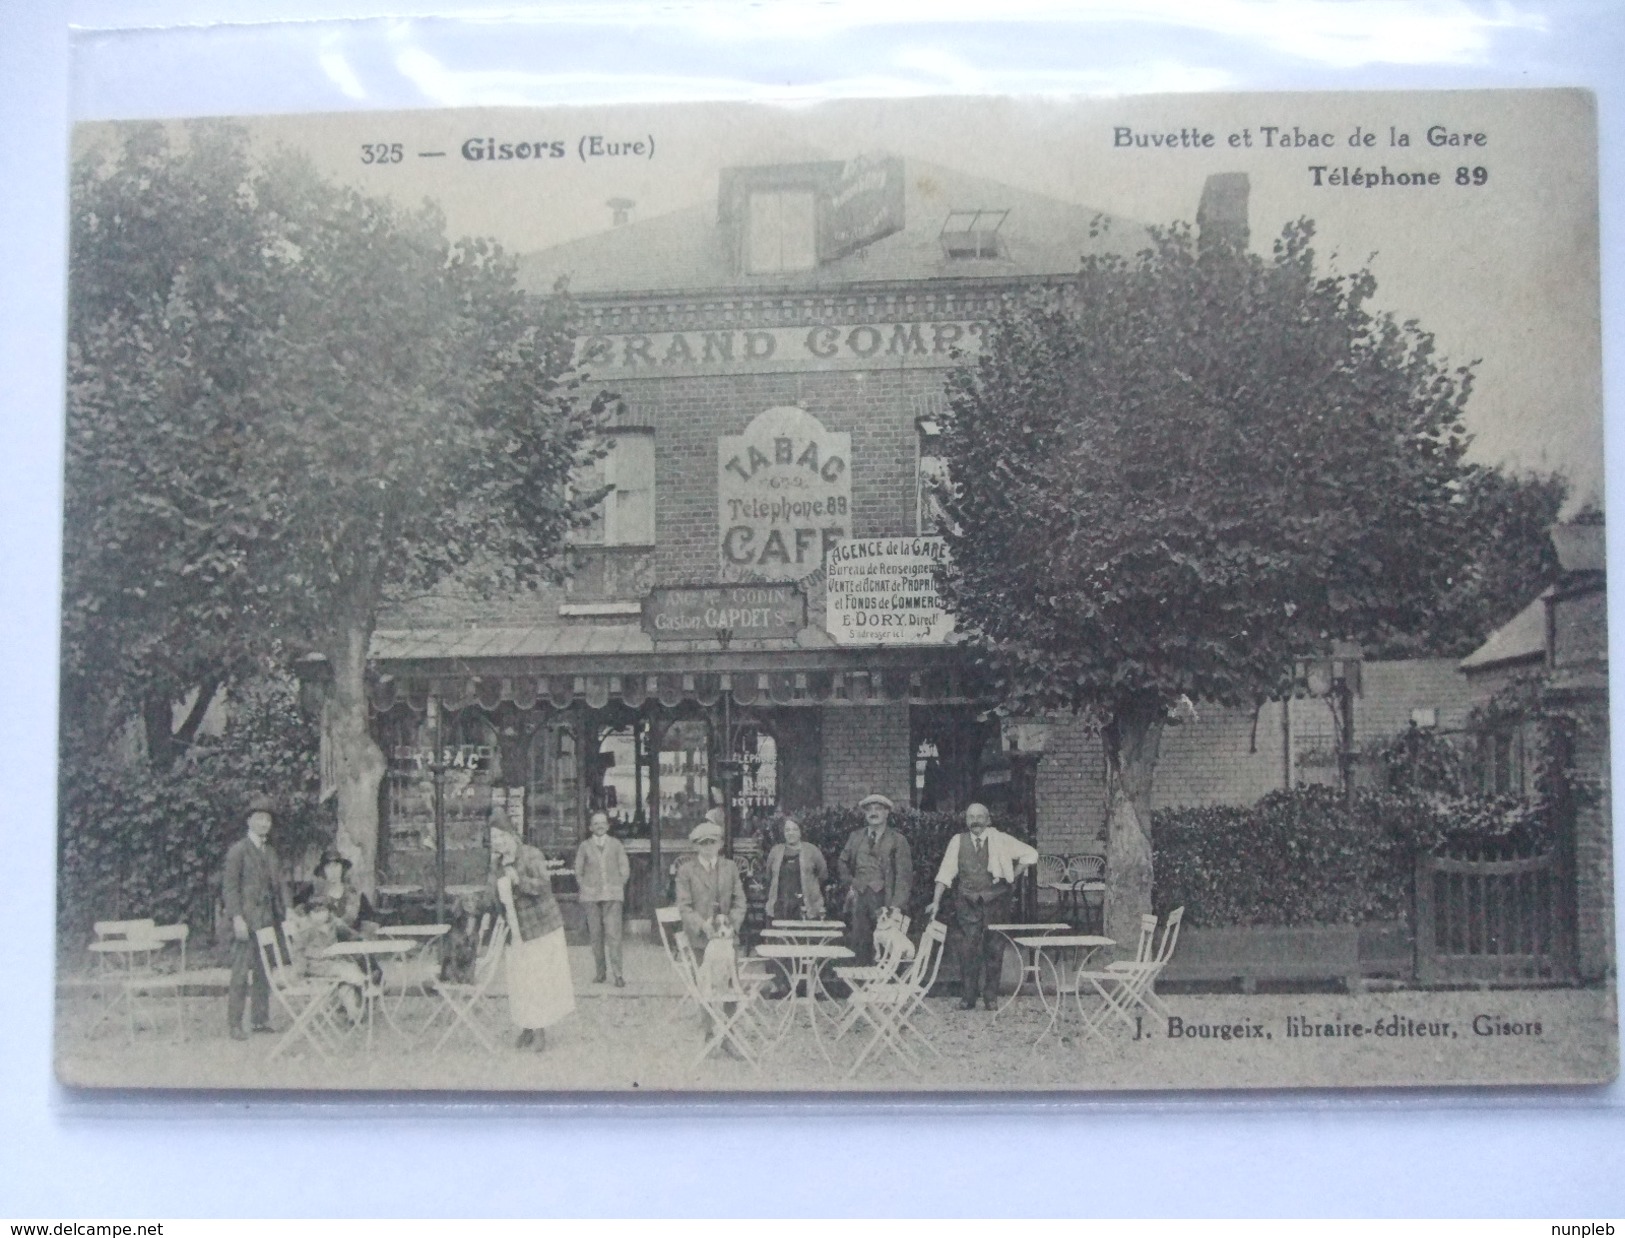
point(311, 929)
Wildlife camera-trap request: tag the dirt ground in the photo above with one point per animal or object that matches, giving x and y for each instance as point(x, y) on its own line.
point(645, 1037)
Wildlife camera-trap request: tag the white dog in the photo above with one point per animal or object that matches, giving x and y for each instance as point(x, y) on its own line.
point(891, 938)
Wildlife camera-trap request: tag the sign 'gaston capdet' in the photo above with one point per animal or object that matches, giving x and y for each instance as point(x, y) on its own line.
point(705, 612)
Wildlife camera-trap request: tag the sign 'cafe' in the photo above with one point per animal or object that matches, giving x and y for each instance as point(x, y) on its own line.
point(751, 622)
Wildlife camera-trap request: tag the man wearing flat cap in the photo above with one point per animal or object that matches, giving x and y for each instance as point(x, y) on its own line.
point(710, 894)
point(711, 900)
point(255, 899)
point(879, 871)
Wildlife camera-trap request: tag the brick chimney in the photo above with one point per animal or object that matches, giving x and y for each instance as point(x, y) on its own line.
point(1221, 218)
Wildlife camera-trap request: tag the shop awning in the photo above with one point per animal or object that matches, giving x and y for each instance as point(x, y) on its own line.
point(603, 663)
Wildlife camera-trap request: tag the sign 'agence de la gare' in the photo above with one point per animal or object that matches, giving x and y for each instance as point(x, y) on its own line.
point(706, 612)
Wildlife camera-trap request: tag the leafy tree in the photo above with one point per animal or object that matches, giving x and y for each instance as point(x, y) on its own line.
point(138, 840)
point(425, 424)
point(336, 405)
point(168, 322)
point(1505, 521)
point(1179, 473)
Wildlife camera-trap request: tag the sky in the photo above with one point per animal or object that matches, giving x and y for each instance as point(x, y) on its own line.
point(1502, 269)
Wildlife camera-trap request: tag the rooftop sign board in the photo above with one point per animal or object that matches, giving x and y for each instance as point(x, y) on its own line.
point(865, 203)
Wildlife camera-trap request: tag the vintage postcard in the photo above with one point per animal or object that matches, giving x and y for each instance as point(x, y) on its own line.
point(940, 595)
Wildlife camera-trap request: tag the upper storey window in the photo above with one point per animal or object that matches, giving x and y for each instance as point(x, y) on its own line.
point(626, 517)
point(781, 232)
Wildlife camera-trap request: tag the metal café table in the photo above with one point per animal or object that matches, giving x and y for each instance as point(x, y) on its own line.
point(425, 936)
point(370, 993)
point(1012, 933)
point(809, 935)
point(802, 962)
point(1044, 949)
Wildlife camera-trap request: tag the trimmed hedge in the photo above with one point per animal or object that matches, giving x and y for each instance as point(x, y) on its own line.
point(1306, 856)
point(1296, 857)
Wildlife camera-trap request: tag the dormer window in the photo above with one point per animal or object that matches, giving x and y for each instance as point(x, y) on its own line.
point(971, 233)
point(781, 231)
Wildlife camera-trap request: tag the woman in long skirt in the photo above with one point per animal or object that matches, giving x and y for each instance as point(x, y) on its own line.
point(540, 992)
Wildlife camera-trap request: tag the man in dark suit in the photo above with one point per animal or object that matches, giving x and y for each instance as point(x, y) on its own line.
point(254, 899)
point(879, 871)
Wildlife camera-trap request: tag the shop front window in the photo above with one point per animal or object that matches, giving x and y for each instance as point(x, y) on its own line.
point(756, 787)
point(470, 765)
point(685, 776)
point(622, 787)
point(555, 788)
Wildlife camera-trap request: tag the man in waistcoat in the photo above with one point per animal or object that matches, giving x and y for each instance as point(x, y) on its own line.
point(985, 864)
point(255, 899)
point(879, 872)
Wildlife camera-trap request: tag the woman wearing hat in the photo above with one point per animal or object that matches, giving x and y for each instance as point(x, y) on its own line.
point(332, 889)
point(540, 992)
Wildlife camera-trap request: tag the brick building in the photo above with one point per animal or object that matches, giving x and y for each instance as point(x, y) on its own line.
point(780, 353)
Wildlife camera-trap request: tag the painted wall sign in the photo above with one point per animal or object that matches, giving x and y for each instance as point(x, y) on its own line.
point(754, 612)
point(889, 344)
point(784, 495)
point(882, 591)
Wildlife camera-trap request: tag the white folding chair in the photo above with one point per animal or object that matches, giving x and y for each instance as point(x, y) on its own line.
point(306, 1000)
point(1123, 986)
point(462, 1001)
point(160, 978)
point(730, 1011)
point(889, 1006)
point(123, 951)
point(1145, 994)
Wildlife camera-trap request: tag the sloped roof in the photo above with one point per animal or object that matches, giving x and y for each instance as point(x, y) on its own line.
point(1521, 638)
point(687, 249)
point(1580, 547)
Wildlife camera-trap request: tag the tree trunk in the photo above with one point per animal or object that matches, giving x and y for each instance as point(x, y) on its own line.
point(358, 765)
point(1133, 739)
point(157, 722)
